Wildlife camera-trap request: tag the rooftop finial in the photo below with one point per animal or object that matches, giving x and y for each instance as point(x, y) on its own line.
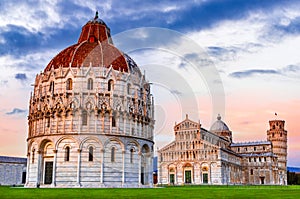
point(96, 15)
point(219, 117)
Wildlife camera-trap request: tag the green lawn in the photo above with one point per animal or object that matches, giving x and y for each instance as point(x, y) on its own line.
point(168, 192)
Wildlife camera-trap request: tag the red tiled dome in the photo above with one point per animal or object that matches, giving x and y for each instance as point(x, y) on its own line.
point(94, 47)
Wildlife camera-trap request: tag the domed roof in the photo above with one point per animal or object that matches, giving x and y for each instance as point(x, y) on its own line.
point(219, 125)
point(94, 47)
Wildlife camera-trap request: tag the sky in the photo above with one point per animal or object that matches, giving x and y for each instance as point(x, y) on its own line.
point(203, 57)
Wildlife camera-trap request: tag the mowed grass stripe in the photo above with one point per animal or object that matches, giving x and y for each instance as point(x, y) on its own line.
point(167, 192)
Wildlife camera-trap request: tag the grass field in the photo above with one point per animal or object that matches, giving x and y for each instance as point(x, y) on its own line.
point(167, 192)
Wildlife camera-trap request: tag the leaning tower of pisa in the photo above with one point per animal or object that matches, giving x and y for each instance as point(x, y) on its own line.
point(278, 136)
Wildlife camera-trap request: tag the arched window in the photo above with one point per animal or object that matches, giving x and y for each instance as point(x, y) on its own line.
point(128, 89)
point(51, 87)
point(113, 121)
point(251, 171)
point(113, 151)
point(110, 86)
point(67, 154)
point(91, 153)
point(249, 159)
point(254, 148)
point(131, 155)
point(90, 84)
point(69, 84)
point(40, 90)
point(84, 117)
point(48, 122)
point(141, 92)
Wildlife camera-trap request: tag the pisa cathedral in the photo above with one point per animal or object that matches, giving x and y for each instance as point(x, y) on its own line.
point(200, 156)
point(90, 117)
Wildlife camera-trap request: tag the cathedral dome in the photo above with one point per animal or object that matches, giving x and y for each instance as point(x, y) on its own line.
point(94, 48)
point(219, 125)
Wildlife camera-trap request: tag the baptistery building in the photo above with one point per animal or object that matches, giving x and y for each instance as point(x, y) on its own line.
point(91, 117)
point(201, 156)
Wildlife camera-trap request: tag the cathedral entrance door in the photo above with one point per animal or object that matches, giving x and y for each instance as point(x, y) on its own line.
point(205, 178)
point(171, 178)
point(48, 172)
point(142, 176)
point(262, 180)
point(188, 176)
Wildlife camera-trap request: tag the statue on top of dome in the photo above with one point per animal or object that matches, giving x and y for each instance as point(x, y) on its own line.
point(96, 15)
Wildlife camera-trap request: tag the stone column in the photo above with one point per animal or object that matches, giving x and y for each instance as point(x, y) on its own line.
point(130, 125)
point(57, 120)
point(27, 169)
point(151, 170)
point(64, 114)
point(110, 122)
point(96, 120)
point(158, 168)
point(79, 120)
point(102, 165)
point(136, 126)
point(103, 120)
point(271, 174)
point(78, 167)
point(210, 173)
point(39, 168)
point(124, 125)
point(123, 167)
point(44, 121)
point(54, 169)
point(140, 164)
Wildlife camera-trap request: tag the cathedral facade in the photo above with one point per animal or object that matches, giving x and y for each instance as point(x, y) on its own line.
point(90, 118)
point(200, 156)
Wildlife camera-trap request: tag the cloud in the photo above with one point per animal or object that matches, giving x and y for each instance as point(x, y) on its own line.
point(292, 71)
point(21, 76)
point(249, 73)
point(176, 92)
point(3, 83)
point(291, 68)
point(16, 111)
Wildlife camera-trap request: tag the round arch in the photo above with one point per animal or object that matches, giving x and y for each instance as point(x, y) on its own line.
point(91, 138)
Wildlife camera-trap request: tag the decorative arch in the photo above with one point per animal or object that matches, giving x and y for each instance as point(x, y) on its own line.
point(110, 85)
point(90, 138)
point(69, 84)
point(89, 103)
point(31, 144)
point(90, 84)
point(66, 137)
point(43, 143)
point(145, 148)
point(114, 139)
point(132, 141)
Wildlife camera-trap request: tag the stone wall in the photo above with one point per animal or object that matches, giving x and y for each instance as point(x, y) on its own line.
point(12, 173)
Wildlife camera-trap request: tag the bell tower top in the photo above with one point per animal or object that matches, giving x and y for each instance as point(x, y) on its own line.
point(277, 125)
